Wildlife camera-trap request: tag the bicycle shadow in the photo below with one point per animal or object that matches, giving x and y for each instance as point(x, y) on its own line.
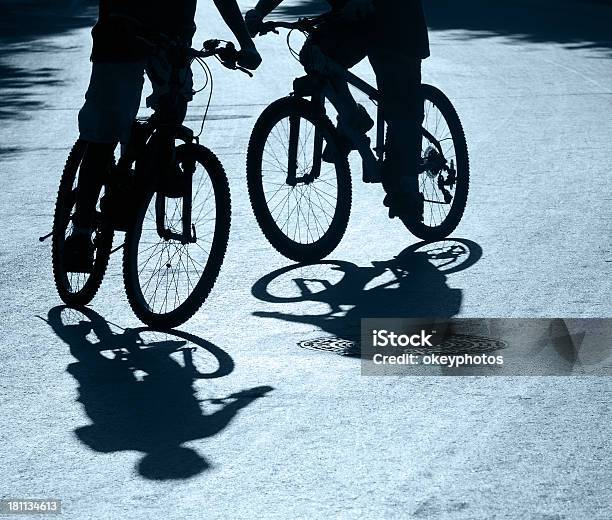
point(413, 284)
point(137, 387)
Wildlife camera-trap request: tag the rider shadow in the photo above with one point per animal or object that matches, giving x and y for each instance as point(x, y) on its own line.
point(137, 387)
point(413, 284)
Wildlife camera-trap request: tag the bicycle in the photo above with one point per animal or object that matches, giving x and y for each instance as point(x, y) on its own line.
point(199, 358)
point(178, 228)
point(412, 285)
point(285, 167)
point(337, 282)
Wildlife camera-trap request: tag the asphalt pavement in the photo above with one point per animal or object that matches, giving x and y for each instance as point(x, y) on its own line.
point(232, 417)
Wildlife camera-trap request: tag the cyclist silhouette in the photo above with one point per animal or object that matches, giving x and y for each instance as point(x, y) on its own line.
point(418, 288)
point(393, 35)
point(139, 397)
point(124, 46)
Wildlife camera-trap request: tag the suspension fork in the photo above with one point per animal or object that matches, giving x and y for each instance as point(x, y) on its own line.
point(188, 234)
point(188, 171)
point(294, 137)
point(380, 134)
point(317, 152)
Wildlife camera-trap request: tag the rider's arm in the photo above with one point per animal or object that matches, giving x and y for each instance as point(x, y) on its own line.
point(358, 10)
point(230, 12)
point(265, 7)
point(255, 16)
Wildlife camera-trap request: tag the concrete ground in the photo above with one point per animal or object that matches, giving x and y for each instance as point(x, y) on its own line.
point(264, 428)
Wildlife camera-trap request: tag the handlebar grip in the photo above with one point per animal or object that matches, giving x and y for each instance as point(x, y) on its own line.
point(228, 54)
point(268, 27)
point(210, 44)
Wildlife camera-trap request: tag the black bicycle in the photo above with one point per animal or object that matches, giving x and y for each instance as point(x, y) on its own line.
point(303, 204)
point(177, 220)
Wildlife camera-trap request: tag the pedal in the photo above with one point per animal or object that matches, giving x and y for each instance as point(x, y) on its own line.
point(371, 172)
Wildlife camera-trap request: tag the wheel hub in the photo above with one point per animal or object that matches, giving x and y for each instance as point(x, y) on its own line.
point(433, 162)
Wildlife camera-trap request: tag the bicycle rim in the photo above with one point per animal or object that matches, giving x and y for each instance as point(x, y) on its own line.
point(167, 280)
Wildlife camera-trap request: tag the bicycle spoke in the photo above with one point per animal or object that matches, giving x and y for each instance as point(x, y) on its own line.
point(168, 271)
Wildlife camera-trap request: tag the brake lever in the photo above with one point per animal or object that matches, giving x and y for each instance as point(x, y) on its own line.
point(246, 71)
point(232, 65)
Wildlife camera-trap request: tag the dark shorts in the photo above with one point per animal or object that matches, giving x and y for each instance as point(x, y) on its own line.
point(113, 96)
point(398, 72)
point(398, 78)
point(346, 44)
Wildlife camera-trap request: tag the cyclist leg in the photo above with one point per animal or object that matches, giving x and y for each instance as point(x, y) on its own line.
point(158, 70)
point(399, 81)
point(342, 44)
point(111, 103)
point(169, 109)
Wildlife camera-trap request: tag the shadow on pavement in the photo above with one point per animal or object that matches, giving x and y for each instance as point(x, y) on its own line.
point(575, 23)
point(137, 387)
point(411, 285)
point(414, 285)
point(28, 26)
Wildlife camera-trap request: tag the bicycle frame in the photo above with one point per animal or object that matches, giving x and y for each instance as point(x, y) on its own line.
point(180, 57)
point(333, 69)
point(160, 127)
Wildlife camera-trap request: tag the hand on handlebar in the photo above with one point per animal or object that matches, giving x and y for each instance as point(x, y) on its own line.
point(245, 59)
point(248, 58)
point(268, 27)
point(253, 21)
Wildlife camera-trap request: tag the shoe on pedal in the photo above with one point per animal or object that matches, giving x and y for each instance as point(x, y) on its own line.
point(360, 123)
point(402, 204)
point(79, 253)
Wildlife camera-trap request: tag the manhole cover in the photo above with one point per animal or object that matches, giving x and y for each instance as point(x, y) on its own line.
point(462, 344)
point(341, 346)
point(454, 344)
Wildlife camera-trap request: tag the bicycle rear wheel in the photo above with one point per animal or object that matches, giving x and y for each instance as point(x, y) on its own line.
point(444, 184)
point(77, 289)
point(301, 204)
point(166, 280)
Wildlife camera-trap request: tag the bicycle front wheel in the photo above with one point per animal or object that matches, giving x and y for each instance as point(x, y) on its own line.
point(301, 203)
point(77, 288)
point(167, 279)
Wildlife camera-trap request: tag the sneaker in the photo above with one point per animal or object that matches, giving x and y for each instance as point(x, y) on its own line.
point(405, 205)
point(79, 253)
point(360, 123)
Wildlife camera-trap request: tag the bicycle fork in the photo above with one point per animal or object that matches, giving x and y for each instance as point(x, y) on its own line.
point(188, 232)
point(294, 138)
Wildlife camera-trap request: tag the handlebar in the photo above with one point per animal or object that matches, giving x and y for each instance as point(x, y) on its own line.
point(302, 24)
point(228, 55)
